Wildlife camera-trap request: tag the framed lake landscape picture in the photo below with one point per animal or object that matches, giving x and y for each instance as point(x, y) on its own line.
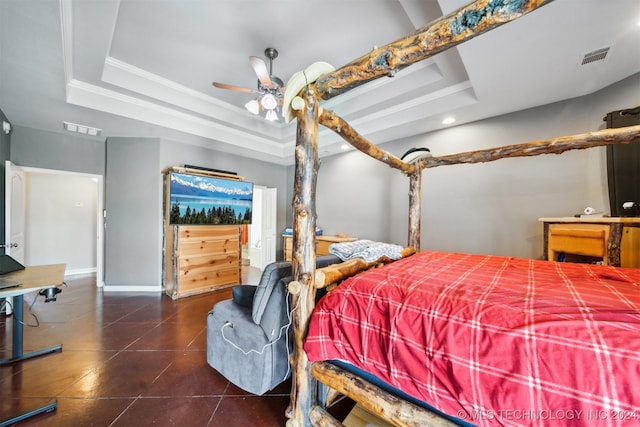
point(208, 200)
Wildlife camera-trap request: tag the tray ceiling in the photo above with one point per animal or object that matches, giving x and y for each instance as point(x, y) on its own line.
point(141, 68)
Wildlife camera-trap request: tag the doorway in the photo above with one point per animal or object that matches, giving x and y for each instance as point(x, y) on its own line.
point(62, 219)
point(262, 231)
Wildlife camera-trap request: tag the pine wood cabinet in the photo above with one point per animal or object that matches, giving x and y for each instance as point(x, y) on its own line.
point(201, 258)
point(612, 241)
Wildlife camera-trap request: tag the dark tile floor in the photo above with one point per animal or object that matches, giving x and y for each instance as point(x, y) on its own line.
point(128, 359)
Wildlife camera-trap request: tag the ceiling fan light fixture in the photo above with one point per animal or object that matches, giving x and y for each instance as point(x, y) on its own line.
point(269, 102)
point(270, 88)
point(253, 106)
point(271, 116)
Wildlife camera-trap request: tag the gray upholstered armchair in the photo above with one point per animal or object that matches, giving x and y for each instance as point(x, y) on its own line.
point(248, 336)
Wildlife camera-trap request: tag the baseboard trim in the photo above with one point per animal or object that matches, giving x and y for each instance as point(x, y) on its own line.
point(127, 288)
point(80, 271)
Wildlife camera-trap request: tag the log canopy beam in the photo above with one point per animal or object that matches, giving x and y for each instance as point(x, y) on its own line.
point(331, 120)
point(582, 141)
point(467, 22)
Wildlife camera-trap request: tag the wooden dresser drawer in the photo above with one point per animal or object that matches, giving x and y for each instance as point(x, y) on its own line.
point(580, 241)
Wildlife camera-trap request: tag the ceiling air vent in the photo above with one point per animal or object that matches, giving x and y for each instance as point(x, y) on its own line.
point(596, 55)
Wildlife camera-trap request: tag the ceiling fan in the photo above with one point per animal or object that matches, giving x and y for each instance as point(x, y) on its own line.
point(270, 88)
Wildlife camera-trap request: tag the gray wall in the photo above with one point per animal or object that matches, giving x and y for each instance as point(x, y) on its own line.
point(133, 197)
point(483, 208)
point(133, 200)
point(59, 151)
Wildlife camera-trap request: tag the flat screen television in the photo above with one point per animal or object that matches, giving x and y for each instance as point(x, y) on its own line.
point(623, 167)
point(207, 200)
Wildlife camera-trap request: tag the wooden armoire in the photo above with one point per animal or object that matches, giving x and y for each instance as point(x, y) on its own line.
point(198, 258)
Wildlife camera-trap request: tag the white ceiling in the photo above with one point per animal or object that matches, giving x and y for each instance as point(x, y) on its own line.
point(145, 68)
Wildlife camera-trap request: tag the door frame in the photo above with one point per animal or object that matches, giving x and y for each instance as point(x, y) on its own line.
point(99, 212)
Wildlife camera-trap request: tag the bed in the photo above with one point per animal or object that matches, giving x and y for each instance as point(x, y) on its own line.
point(438, 325)
point(423, 398)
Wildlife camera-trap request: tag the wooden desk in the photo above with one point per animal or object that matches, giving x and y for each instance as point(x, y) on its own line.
point(31, 279)
point(615, 241)
point(322, 244)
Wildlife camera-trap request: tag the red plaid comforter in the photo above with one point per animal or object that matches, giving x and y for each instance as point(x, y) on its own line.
point(493, 340)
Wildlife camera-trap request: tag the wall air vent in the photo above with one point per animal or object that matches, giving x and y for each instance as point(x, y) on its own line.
point(594, 56)
point(86, 130)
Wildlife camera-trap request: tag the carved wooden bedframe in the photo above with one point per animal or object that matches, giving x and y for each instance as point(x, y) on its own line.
point(307, 407)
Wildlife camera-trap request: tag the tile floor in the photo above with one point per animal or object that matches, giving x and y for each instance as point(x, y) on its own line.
point(128, 359)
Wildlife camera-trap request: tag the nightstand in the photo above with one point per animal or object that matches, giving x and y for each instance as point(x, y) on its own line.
point(613, 241)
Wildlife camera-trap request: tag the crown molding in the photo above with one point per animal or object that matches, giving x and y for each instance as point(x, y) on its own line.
point(137, 94)
point(66, 25)
point(95, 97)
point(135, 79)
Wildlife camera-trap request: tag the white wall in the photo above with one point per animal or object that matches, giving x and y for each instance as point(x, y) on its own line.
point(61, 214)
point(482, 208)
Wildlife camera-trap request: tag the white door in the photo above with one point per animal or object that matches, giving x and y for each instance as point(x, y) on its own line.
point(269, 209)
point(14, 211)
point(255, 230)
point(14, 215)
point(262, 232)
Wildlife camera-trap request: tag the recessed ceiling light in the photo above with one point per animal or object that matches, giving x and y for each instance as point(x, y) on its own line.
point(448, 120)
point(86, 130)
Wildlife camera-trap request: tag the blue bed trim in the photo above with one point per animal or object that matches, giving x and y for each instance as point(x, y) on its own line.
point(397, 392)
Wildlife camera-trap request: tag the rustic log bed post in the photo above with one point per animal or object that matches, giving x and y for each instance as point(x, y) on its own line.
point(303, 388)
point(415, 207)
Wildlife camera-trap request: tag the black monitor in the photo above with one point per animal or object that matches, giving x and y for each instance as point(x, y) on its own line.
point(9, 265)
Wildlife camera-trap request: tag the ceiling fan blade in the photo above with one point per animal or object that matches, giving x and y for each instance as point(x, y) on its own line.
point(260, 67)
point(232, 87)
